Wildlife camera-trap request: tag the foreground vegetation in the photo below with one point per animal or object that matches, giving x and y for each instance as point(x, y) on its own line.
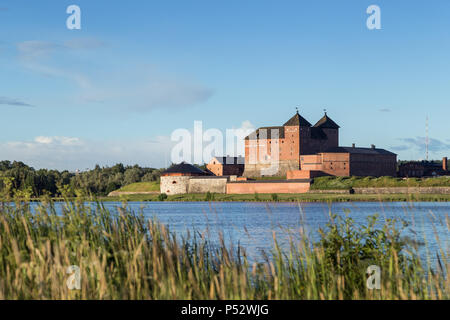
point(126, 256)
point(347, 183)
point(280, 197)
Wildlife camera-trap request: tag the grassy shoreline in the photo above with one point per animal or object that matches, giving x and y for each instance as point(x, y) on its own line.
point(127, 256)
point(302, 197)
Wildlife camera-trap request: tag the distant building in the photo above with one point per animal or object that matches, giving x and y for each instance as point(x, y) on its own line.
point(175, 180)
point(183, 169)
point(226, 166)
point(420, 169)
point(303, 147)
point(352, 161)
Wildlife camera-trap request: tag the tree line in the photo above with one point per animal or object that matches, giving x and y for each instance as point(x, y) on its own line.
point(98, 181)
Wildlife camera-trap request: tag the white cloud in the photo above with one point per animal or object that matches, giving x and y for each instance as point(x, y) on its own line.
point(71, 153)
point(58, 141)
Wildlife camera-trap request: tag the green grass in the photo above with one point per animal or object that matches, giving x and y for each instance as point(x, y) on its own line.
point(302, 197)
point(141, 187)
point(346, 183)
point(269, 178)
point(126, 256)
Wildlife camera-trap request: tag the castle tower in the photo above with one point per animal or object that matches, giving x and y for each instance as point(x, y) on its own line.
point(331, 130)
point(296, 130)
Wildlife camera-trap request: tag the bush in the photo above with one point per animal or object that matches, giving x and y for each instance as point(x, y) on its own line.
point(274, 197)
point(162, 197)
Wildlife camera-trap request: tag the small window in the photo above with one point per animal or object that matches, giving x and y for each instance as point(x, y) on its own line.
point(174, 182)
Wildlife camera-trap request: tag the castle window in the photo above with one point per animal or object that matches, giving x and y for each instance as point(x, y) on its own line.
point(174, 182)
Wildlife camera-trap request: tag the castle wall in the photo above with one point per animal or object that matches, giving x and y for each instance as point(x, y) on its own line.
point(204, 185)
point(304, 174)
point(280, 169)
point(336, 164)
point(267, 187)
point(174, 184)
point(373, 165)
point(311, 162)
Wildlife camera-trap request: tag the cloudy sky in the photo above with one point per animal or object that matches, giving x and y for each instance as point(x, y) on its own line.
point(115, 90)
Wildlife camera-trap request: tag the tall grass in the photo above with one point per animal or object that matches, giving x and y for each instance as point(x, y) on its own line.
point(126, 256)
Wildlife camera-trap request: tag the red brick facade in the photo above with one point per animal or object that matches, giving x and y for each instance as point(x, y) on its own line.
point(301, 146)
point(226, 166)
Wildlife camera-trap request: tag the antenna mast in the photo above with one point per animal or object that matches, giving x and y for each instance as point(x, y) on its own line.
point(427, 141)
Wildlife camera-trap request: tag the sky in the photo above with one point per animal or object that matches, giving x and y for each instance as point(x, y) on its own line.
point(136, 71)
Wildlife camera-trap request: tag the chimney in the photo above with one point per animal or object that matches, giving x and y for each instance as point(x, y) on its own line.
point(372, 146)
point(353, 145)
point(444, 164)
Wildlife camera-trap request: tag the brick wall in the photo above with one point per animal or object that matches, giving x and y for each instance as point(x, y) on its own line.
point(336, 164)
point(304, 174)
point(267, 187)
point(373, 165)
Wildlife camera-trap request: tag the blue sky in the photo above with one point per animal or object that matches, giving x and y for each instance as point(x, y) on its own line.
point(115, 90)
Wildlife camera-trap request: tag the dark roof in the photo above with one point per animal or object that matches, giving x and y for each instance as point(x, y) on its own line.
point(230, 160)
point(256, 134)
point(297, 120)
point(184, 168)
point(355, 150)
point(326, 123)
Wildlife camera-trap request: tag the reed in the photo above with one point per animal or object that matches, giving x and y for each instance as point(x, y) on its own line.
point(127, 256)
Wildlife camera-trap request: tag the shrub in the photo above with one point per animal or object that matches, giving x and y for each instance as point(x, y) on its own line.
point(162, 197)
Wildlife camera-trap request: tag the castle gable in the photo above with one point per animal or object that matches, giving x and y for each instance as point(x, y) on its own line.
point(297, 120)
point(326, 123)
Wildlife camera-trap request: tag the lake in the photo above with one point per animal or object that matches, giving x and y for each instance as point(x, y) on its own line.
point(252, 224)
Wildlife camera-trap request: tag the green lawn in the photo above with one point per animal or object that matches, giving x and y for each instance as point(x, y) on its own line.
point(141, 187)
point(346, 183)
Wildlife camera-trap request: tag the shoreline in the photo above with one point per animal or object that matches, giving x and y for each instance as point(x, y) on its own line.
point(289, 198)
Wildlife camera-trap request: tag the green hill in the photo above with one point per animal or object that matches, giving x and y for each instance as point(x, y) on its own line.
point(327, 183)
point(140, 187)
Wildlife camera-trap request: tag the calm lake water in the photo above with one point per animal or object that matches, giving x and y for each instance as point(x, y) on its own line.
point(251, 224)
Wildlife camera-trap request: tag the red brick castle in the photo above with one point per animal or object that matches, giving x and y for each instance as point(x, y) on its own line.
point(311, 151)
